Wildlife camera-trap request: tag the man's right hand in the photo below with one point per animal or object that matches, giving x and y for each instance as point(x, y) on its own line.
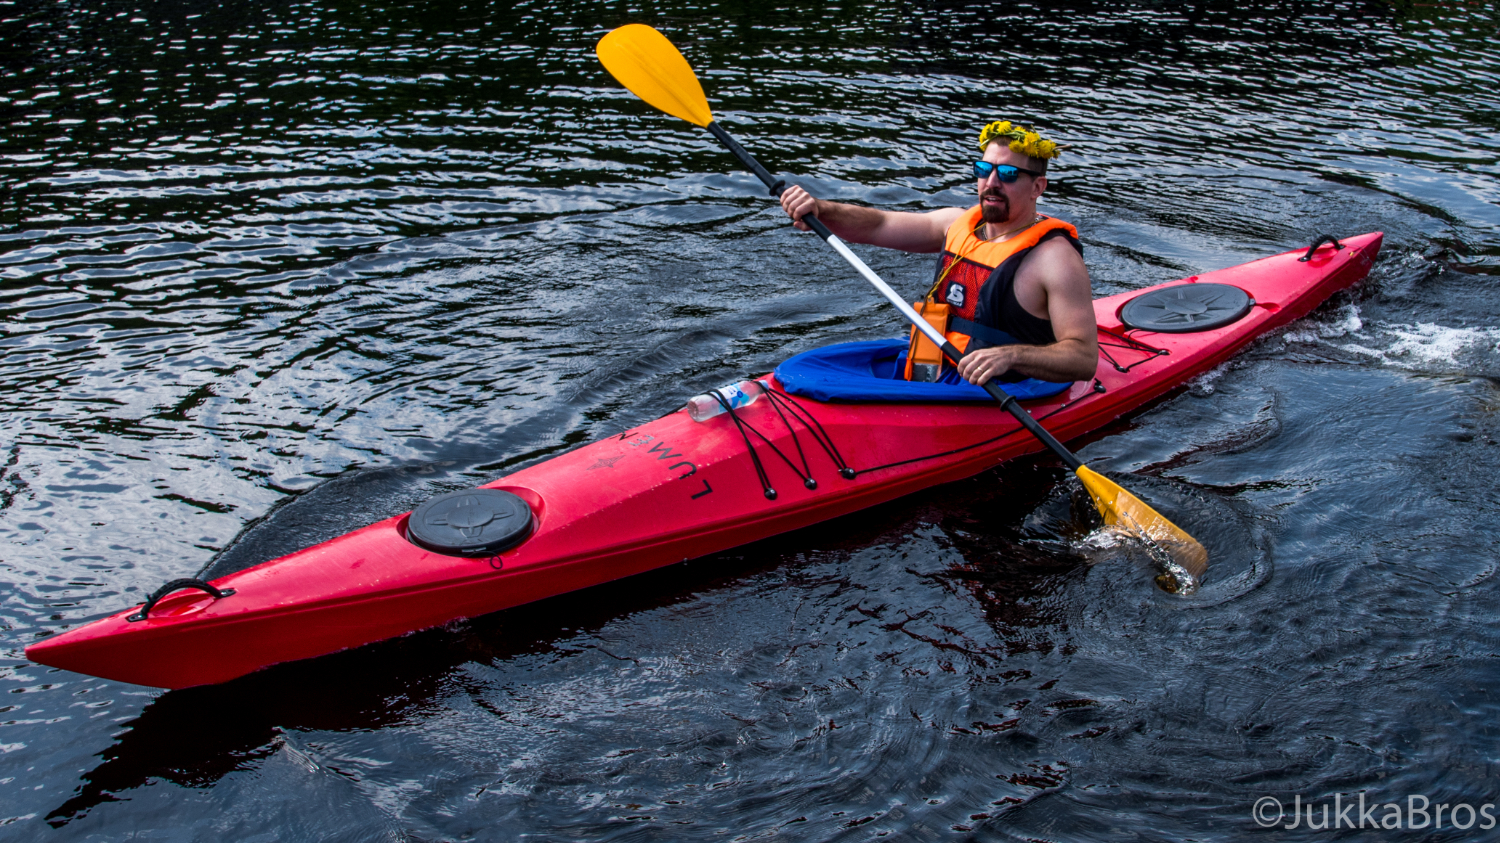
point(798, 203)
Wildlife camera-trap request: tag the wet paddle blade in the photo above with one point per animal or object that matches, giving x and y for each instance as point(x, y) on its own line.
point(647, 64)
point(1124, 510)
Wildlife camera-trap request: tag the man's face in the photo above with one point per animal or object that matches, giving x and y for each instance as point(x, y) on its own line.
point(1000, 202)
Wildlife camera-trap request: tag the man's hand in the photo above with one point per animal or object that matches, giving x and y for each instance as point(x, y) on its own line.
point(978, 367)
point(798, 203)
point(1068, 359)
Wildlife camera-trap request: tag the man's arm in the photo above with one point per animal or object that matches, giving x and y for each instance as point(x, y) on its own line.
point(1058, 270)
point(902, 230)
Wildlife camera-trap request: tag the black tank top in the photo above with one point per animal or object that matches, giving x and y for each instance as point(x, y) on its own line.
point(999, 308)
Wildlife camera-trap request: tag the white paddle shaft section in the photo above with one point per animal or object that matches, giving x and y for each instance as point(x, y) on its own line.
point(890, 295)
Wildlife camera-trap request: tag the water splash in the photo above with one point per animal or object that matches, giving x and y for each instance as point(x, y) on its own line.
point(1426, 346)
point(1171, 577)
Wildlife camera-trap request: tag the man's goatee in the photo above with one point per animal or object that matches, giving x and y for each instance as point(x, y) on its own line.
point(995, 213)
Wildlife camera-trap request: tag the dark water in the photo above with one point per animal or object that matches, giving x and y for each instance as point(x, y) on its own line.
point(270, 271)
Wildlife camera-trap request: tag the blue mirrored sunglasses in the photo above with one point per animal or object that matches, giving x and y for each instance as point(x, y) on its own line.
point(1003, 172)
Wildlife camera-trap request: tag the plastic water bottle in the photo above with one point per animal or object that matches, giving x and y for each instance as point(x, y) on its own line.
point(706, 406)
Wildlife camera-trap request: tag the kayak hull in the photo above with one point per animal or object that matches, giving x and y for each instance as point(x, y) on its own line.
point(667, 491)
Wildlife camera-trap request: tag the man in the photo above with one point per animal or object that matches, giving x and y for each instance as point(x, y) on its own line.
point(1003, 268)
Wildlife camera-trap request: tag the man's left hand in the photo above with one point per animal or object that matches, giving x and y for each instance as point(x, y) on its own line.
point(978, 367)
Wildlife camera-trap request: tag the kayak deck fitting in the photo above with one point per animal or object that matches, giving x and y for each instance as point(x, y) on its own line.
point(675, 489)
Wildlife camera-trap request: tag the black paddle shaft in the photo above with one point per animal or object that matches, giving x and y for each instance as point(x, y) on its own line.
point(1007, 401)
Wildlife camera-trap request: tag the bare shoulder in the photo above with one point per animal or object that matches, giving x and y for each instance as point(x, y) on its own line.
point(944, 217)
point(1053, 279)
point(1058, 252)
point(937, 227)
point(1058, 266)
point(913, 231)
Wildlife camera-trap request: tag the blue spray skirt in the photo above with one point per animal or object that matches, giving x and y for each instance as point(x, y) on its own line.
point(870, 371)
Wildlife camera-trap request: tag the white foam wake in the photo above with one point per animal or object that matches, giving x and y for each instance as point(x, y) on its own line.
point(1428, 346)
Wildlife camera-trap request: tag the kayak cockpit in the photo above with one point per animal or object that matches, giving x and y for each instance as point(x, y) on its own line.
point(869, 372)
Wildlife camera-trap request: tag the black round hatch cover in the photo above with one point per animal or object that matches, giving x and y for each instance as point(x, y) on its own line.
point(1186, 308)
point(475, 522)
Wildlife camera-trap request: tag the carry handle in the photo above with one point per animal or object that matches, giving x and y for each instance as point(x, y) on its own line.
point(177, 585)
point(1325, 238)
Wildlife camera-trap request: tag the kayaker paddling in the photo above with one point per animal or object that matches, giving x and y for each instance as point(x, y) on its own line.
point(1013, 280)
point(679, 488)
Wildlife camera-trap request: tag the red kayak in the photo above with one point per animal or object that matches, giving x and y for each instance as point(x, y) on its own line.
point(675, 489)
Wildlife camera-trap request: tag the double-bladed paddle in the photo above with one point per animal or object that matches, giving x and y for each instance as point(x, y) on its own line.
point(649, 66)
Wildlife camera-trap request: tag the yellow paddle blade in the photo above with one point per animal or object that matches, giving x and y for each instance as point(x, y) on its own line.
point(1124, 510)
point(647, 64)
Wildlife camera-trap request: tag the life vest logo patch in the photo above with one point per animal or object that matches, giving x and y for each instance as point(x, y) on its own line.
point(955, 294)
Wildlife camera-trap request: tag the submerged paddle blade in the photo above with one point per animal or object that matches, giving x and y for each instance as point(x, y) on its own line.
point(647, 64)
point(1124, 510)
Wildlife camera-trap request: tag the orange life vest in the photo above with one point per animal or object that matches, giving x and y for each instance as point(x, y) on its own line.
point(965, 266)
point(977, 259)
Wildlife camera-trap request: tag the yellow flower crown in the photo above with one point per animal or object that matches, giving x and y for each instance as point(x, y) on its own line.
point(1023, 139)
